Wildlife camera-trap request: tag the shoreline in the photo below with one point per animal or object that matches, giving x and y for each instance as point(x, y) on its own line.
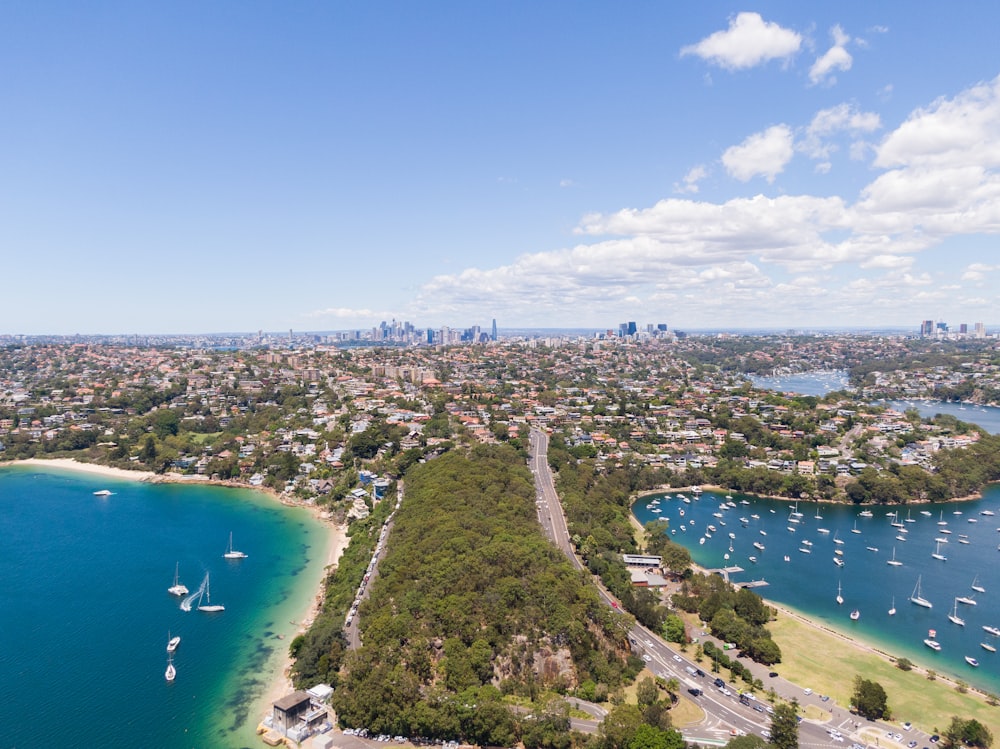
point(278, 683)
point(663, 489)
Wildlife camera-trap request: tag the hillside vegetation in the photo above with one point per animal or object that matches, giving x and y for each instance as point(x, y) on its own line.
point(472, 603)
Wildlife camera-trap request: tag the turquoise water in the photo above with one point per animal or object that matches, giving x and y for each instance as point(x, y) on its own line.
point(809, 582)
point(85, 614)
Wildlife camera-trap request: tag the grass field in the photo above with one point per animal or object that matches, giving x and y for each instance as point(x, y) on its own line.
point(827, 663)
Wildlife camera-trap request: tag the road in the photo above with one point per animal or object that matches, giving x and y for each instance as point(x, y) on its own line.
point(725, 714)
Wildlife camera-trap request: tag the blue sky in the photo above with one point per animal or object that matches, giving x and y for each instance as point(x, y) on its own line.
point(202, 167)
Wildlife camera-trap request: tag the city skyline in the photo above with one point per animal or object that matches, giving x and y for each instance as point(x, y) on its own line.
point(185, 169)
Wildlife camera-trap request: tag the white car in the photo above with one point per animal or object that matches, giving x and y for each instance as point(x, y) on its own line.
point(647, 658)
point(808, 691)
point(677, 658)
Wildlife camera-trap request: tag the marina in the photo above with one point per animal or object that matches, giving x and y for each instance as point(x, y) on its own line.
point(872, 567)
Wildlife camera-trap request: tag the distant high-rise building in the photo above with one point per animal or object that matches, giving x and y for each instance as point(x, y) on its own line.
point(963, 328)
point(927, 328)
point(980, 330)
point(662, 327)
point(493, 334)
point(632, 327)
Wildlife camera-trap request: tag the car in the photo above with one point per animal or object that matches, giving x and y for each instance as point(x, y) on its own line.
point(935, 738)
point(907, 726)
point(759, 708)
point(647, 657)
point(898, 736)
point(677, 658)
point(772, 674)
point(725, 691)
point(808, 691)
point(719, 683)
point(837, 737)
point(699, 672)
point(825, 698)
point(912, 744)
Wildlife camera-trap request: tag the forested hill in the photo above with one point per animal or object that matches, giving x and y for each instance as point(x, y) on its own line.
point(472, 602)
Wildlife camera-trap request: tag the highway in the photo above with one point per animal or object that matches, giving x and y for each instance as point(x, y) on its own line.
point(725, 715)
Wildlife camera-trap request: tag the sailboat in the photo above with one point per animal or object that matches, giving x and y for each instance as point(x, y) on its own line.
point(840, 598)
point(918, 598)
point(892, 611)
point(177, 589)
point(855, 528)
point(209, 607)
point(231, 553)
point(171, 672)
point(894, 562)
point(976, 586)
point(954, 618)
point(937, 553)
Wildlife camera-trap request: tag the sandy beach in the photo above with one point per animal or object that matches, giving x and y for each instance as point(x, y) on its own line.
point(280, 683)
point(69, 464)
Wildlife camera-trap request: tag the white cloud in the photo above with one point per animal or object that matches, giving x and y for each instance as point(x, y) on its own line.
point(690, 182)
point(764, 154)
point(964, 130)
point(827, 123)
point(978, 271)
point(823, 167)
point(566, 183)
point(749, 41)
point(341, 315)
point(835, 58)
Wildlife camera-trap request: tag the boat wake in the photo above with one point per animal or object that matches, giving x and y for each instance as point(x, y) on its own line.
point(188, 600)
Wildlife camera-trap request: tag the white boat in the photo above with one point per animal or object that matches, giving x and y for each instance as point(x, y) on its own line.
point(855, 615)
point(209, 607)
point(967, 600)
point(987, 513)
point(963, 540)
point(942, 521)
point(173, 642)
point(932, 644)
point(787, 558)
point(840, 598)
point(753, 559)
point(908, 518)
point(171, 672)
point(177, 589)
point(822, 530)
point(758, 545)
point(872, 548)
point(954, 618)
point(836, 540)
point(938, 555)
point(855, 528)
point(991, 630)
point(807, 542)
point(918, 598)
point(893, 562)
point(976, 586)
point(763, 533)
point(656, 510)
point(925, 513)
point(804, 550)
point(102, 493)
point(701, 541)
point(972, 661)
point(892, 610)
point(232, 553)
point(865, 514)
point(987, 646)
point(838, 561)
point(755, 516)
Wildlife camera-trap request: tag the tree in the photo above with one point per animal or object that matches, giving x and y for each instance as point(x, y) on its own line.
point(673, 629)
point(870, 699)
point(148, 452)
point(619, 727)
point(646, 692)
point(968, 732)
point(750, 741)
point(785, 726)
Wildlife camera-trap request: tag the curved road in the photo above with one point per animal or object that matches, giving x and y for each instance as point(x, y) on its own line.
point(725, 715)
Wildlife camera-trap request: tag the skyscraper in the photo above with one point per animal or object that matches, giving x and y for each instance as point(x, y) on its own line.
point(493, 335)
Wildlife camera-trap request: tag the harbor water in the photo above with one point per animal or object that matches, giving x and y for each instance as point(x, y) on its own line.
point(797, 563)
point(85, 611)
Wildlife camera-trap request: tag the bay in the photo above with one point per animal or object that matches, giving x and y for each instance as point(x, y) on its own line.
point(85, 612)
point(818, 383)
point(987, 417)
point(809, 582)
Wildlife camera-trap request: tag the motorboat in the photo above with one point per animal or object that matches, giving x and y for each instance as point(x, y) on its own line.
point(173, 642)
